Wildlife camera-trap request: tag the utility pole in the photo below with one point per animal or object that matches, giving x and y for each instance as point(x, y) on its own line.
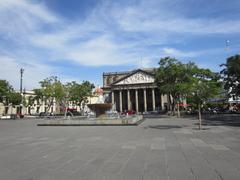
point(228, 48)
point(21, 81)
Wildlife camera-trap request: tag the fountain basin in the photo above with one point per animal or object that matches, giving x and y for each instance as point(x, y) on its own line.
point(133, 120)
point(100, 109)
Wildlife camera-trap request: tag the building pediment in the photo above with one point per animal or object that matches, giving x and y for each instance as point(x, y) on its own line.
point(139, 77)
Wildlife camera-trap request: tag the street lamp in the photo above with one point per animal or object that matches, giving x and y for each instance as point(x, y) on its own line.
point(227, 48)
point(21, 80)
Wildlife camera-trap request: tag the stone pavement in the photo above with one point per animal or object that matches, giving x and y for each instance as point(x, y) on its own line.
point(160, 148)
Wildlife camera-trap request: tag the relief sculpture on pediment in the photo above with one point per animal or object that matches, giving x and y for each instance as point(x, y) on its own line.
point(138, 78)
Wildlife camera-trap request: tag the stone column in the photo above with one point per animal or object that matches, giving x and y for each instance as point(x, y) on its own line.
point(128, 98)
point(136, 99)
point(153, 99)
point(112, 97)
point(145, 99)
point(162, 101)
point(43, 105)
point(120, 100)
point(54, 108)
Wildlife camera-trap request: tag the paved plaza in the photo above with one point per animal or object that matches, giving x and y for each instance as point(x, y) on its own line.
point(160, 148)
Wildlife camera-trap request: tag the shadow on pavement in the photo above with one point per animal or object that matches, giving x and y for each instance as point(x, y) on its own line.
point(164, 127)
point(203, 128)
point(222, 119)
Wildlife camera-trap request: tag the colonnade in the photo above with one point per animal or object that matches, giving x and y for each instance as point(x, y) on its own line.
point(119, 99)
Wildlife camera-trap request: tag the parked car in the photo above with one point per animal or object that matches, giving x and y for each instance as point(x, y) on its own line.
point(128, 112)
point(20, 115)
point(73, 112)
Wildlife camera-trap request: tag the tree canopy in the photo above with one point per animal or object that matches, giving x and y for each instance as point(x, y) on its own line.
point(231, 75)
point(38, 95)
point(8, 95)
point(79, 92)
point(174, 78)
point(177, 80)
point(15, 98)
point(205, 85)
point(52, 88)
point(5, 90)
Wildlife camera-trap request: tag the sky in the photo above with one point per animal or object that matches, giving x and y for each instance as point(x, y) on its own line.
point(78, 40)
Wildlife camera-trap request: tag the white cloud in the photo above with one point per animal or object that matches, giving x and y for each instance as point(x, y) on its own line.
point(144, 63)
point(25, 9)
point(112, 34)
point(156, 16)
point(180, 25)
point(34, 72)
point(178, 53)
point(105, 49)
point(20, 18)
point(100, 51)
point(101, 35)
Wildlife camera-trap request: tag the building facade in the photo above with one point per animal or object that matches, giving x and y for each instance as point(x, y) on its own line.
point(30, 105)
point(134, 90)
point(33, 106)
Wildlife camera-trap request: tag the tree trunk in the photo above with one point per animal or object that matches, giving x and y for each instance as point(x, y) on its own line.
point(178, 111)
point(48, 108)
point(65, 112)
point(169, 103)
point(199, 117)
point(57, 107)
point(49, 104)
point(173, 108)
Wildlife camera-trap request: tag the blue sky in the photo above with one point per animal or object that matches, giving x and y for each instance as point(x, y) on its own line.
point(80, 39)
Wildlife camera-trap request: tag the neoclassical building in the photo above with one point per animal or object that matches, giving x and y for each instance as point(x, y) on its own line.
point(134, 90)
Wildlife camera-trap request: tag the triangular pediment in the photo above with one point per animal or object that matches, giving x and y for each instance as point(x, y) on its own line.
point(139, 77)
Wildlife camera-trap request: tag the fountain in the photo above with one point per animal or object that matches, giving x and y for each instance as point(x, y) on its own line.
point(100, 107)
point(106, 115)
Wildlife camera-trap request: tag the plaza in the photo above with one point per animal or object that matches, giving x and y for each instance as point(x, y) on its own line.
point(165, 148)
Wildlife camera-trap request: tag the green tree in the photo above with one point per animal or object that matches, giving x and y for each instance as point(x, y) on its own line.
point(28, 101)
point(79, 92)
point(52, 88)
point(8, 95)
point(205, 85)
point(14, 98)
point(173, 78)
point(231, 75)
point(5, 91)
point(38, 95)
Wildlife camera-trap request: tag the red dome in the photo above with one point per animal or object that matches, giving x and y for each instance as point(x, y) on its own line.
point(99, 90)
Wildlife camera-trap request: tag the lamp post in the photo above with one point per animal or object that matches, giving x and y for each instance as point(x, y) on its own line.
point(227, 48)
point(199, 105)
point(21, 80)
